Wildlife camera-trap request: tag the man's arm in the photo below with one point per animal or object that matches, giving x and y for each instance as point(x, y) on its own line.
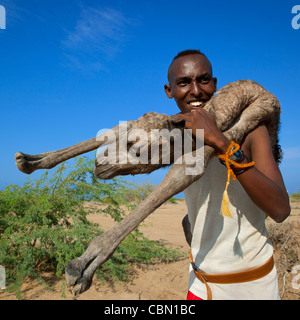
point(263, 182)
point(187, 229)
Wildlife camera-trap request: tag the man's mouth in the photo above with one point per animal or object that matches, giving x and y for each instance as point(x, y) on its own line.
point(196, 104)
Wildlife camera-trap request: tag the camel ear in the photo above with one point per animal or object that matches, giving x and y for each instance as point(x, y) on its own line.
point(176, 122)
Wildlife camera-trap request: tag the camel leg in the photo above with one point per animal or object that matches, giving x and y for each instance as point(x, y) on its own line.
point(29, 163)
point(79, 272)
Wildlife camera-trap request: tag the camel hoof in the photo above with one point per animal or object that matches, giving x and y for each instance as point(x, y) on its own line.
point(80, 272)
point(75, 278)
point(84, 284)
point(74, 272)
point(21, 162)
point(26, 163)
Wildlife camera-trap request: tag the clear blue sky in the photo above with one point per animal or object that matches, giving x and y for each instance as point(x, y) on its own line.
point(71, 68)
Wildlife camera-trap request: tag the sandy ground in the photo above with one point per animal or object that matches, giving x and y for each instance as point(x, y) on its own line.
point(153, 282)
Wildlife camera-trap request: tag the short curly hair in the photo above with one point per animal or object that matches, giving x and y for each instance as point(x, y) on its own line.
point(187, 52)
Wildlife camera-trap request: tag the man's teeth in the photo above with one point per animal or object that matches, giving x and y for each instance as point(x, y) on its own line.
point(196, 104)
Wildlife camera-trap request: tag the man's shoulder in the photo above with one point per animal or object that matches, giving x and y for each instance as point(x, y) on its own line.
point(256, 139)
point(259, 135)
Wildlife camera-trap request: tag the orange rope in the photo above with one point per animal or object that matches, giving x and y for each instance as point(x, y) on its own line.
point(233, 147)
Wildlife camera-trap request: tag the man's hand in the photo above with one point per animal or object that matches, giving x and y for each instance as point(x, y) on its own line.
point(201, 119)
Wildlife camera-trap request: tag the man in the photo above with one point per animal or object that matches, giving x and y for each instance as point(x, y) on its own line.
point(222, 245)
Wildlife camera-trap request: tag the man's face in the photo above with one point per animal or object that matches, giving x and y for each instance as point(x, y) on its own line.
point(190, 82)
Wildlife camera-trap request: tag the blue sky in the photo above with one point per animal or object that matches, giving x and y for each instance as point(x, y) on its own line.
point(70, 68)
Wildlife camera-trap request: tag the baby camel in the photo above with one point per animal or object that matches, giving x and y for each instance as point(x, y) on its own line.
point(239, 108)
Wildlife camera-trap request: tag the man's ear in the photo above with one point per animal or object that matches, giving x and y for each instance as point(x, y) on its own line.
point(215, 83)
point(168, 91)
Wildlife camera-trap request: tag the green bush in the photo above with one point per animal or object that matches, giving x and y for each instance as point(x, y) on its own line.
point(43, 225)
point(140, 192)
point(295, 196)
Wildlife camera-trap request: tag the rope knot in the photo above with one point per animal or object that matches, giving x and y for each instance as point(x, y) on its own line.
point(233, 148)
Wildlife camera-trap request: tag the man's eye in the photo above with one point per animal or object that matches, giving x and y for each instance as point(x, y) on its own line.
point(204, 80)
point(183, 83)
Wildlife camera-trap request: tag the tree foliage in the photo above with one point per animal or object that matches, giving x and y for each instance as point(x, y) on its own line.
point(44, 225)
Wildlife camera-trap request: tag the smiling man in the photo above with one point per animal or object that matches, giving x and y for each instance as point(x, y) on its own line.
point(192, 84)
point(234, 253)
point(185, 77)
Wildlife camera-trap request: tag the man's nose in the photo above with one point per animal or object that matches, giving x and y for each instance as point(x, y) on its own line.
point(196, 89)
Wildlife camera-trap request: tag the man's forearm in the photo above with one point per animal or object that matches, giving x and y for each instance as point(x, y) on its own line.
point(266, 194)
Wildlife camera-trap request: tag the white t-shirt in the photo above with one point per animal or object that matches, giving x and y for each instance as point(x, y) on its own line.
point(226, 245)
